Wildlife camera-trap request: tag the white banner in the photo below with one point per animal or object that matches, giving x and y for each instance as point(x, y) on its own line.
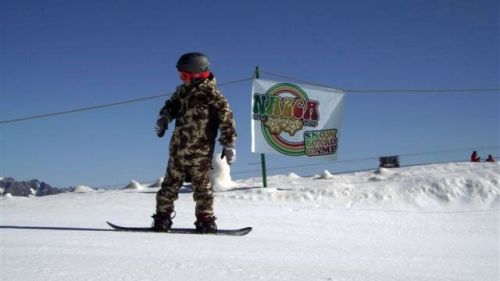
point(295, 120)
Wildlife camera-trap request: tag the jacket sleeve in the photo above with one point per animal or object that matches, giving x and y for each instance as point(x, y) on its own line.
point(225, 120)
point(171, 107)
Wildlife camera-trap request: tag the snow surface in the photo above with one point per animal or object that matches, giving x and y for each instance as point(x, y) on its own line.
point(434, 222)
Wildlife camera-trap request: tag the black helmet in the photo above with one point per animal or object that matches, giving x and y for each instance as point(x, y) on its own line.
point(193, 62)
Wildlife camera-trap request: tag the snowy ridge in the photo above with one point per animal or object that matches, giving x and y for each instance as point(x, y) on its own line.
point(453, 184)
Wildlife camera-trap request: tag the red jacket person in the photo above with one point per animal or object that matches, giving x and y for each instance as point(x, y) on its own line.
point(474, 157)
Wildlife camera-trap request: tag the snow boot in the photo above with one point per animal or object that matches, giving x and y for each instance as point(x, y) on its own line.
point(162, 222)
point(205, 224)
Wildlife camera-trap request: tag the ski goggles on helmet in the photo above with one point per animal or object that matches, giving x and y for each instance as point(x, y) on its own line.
point(188, 76)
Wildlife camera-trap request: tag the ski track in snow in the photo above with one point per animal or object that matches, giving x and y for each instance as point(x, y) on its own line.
point(434, 222)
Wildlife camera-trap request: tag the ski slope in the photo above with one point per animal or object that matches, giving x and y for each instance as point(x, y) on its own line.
point(433, 222)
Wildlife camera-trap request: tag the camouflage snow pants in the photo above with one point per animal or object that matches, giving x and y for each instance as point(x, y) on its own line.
point(177, 171)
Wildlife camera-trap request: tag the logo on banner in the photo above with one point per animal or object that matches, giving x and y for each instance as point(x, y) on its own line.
point(286, 109)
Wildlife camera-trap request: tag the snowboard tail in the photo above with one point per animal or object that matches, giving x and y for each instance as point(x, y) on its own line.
point(231, 232)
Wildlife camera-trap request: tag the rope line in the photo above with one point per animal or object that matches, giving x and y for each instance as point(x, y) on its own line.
point(354, 91)
point(104, 105)
point(389, 91)
point(81, 109)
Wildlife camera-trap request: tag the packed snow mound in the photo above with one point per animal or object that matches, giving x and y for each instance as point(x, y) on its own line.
point(83, 189)
point(382, 171)
point(220, 174)
point(452, 184)
point(326, 175)
point(134, 185)
point(293, 176)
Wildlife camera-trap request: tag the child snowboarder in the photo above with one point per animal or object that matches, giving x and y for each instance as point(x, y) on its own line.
point(200, 111)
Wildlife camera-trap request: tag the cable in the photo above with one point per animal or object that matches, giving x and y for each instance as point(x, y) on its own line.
point(355, 91)
point(324, 163)
point(390, 91)
point(104, 105)
point(425, 91)
point(372, 158)
point(151, 181)
point(80, 109)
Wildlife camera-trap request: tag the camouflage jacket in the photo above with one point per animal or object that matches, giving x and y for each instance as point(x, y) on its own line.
point(199, 112)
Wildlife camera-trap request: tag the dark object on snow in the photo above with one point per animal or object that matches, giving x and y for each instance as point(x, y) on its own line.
point(162, 222)
point(490, 158)
point(474, 157)
point(232, 232)
point(389, 161)
point(206, 224)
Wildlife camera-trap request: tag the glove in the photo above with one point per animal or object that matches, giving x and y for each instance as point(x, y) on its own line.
point(230, 153)
point(161, 126)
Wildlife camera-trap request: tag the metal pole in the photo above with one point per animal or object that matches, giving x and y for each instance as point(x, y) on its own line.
point(262, 155)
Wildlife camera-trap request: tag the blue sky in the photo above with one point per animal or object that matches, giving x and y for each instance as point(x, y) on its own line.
point(61, 55)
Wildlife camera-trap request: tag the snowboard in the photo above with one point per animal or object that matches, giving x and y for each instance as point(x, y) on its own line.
point(231, 232)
